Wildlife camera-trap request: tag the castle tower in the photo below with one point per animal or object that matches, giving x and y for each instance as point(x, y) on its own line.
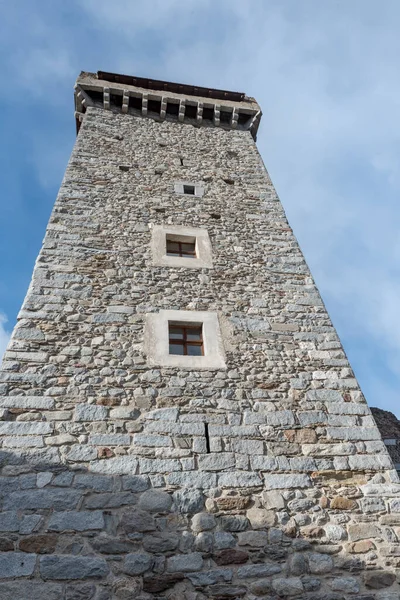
point(179, 419)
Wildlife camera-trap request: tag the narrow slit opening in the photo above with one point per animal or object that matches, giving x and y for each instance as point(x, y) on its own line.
point(207, 437)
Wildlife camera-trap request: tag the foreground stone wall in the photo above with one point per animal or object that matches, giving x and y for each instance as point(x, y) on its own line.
point(110, 487)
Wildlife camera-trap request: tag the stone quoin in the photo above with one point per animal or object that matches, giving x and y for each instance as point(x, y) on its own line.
point(178, 417)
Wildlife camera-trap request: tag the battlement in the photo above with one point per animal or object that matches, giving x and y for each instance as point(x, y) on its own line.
point(162, 100)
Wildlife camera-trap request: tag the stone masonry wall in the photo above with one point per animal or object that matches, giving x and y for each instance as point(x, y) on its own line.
point(109, 487)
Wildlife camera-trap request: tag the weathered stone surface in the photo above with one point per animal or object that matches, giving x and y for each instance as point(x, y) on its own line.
point(90, 412)
point(160, 583)
point(72, 567)
point(39, 544)
point(253, 538)
point(185, 563)
point(76, 521)
point(13, 590)
point(137, 563)
point(258, 571)
point(210, 577)
point(230, 556)
point(349, 585)
point(377, 580)
point(234, 523)
point(16, 564)
point(288, 586)
point(58, 499)
point(137, 521)
point(320, 563)
point(108, 545)
point(188, 501)
point(341, 503)
point(362, 531)
point(160, 542)
point(203, 522)
point(155, 501)
point(232, 502)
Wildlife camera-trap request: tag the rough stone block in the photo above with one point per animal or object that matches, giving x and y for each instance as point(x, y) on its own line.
point(16, 564)
point(76, 521)
point(72, 567)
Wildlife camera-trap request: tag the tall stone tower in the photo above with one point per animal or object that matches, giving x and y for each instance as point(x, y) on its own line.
point(179, 419)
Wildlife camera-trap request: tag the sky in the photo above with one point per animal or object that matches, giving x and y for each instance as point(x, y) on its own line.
point(327, 77)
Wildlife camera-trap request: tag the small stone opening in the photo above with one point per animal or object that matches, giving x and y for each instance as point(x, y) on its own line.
point(154, 106)
point(189, 189)
point(225, 116)
point(136, 102)
point(190, 111)
point(208, 114)
point(206, 433)
point(172, 108)
point(116, 100)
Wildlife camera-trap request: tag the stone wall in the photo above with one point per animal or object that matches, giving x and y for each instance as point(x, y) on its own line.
point(110, 487)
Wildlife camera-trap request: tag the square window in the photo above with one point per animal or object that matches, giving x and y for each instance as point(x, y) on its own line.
point(189, 189)
point(177, 246)
point(183, 246)
point(186, 340)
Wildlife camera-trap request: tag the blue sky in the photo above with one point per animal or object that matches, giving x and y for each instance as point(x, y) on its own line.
point(327, 77)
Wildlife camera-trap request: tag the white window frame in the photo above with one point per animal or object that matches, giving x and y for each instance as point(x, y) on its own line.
point(159, 236)
point(198, 188)
point(157, 340)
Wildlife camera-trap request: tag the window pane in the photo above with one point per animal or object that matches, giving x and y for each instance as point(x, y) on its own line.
point(184, 255)
point(188, 189)
point(176, 349)
point(172, 247)
point(176, 333)
point(188, 248)
point(194, 350)
point(193, 335)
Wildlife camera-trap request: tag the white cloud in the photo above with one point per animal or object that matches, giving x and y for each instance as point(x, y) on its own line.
point(4, 334)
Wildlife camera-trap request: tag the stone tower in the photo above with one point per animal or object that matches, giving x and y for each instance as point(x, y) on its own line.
point(179, 419)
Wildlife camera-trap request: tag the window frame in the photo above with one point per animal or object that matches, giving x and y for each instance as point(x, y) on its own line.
point(156, 340)
point(200, 237)
point(179, 188)
point(184, 343)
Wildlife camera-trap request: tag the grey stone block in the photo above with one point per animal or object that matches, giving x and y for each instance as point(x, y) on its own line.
point(192, 480)
point(137, 563)
point(39, 402)
point(72, 567)
point(185, 563)
point(16, 564)
point(45, 498)
point(121, 465)
point(9, 521)
point(76, 521)
point(210, 577)
point(155, 501)
point(30, 590)
point(106, 439)
point(275, 482)
point(188, 501)
point(135, 483)
point(93, 482)
point(239, 479)
point(29, 428)
point(217, 461)
point(90, 412)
